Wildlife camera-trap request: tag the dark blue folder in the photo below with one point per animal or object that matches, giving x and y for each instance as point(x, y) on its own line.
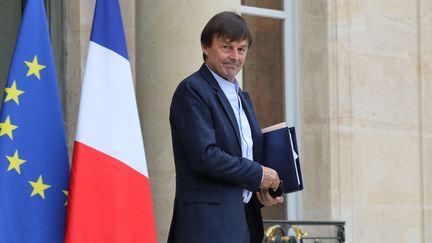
point(278, 155)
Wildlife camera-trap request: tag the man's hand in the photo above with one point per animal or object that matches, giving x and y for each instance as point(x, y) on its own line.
point(270, 179)
point(265, 199)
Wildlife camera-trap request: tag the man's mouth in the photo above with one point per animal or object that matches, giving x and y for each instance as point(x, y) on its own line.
point(231, 64)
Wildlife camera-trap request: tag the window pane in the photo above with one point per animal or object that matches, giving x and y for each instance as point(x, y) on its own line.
point(263, 80)
point(271, 4)
point(263, 70)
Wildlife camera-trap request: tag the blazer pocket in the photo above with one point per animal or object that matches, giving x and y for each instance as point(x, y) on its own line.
point(201, 196)
point(204, 215)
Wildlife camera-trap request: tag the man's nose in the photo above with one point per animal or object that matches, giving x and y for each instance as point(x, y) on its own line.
point(234, 54)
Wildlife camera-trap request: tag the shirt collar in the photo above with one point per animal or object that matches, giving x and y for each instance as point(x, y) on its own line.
point(226, 85)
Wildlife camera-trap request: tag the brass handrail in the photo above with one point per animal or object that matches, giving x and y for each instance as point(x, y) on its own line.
point(277, 231)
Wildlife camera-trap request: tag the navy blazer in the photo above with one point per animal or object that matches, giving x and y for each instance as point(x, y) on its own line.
point(210, 170)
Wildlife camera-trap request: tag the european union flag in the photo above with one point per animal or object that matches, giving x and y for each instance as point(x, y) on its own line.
point(34, 168)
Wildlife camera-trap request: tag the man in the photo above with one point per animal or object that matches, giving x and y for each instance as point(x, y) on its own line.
point(220, 183)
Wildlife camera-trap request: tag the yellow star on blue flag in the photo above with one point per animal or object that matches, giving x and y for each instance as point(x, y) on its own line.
point(34, 68)
point(12, 93)
point(34, 167)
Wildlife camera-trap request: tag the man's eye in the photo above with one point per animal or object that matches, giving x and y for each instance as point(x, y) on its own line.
point(226, 48)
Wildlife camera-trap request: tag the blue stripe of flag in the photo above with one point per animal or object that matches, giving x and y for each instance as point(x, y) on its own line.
point(107, 28)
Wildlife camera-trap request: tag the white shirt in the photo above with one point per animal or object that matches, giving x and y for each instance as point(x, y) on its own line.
point(231, 92)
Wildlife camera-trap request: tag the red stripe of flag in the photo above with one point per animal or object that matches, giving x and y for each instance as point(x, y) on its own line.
point(109, 201)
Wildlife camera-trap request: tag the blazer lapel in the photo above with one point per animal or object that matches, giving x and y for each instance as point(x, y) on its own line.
point(253, 123)
point(223, 100)
point(247, 107)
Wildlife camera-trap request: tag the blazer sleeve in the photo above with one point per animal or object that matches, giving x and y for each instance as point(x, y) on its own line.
point(193, 122)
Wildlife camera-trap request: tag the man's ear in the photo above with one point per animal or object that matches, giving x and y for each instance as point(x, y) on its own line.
point(204, 49)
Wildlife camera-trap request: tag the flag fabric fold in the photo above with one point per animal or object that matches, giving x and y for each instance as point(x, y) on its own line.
point(34, 168)
point(110, 197)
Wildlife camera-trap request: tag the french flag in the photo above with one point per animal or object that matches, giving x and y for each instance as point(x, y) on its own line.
point(110, 198)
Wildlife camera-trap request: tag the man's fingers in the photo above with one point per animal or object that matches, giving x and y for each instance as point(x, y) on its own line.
point(275, 184)
point(259, 198)
point(270, 178)
point(266, 199)
point(280, 199)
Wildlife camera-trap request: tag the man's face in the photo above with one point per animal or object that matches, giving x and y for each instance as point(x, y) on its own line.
point(226, 57)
